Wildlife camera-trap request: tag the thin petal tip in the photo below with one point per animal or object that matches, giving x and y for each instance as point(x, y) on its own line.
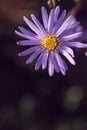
point(50, 75)
point(17, 43)
point(24, 17)
point(27, 62)
point(15, 31)
point(19, 27)
point(85, 53)
point(43, 67)
point(74, 63)
point(36, 68)
point(19, 54)
point(42, 7)
point(32, 15)
point(85, 45)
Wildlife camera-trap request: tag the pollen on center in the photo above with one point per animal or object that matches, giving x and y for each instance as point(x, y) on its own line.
point(49, 42)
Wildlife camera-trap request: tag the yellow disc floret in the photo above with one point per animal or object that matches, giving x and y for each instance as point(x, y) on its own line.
point(49, 42)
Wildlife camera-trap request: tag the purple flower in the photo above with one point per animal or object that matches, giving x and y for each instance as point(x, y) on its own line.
point(48, 42)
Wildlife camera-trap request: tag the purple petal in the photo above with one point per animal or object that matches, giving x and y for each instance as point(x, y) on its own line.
point(34, 55)
point(51, 21)
point(66, 67)
point(29, 51)
point(59, 61)
point(26, 36)
point(75, 44)
point(70, 59)
point(32, 26)
point(59, 21)
point(44, 17)
point(64, 25)
point(72, 22)
point(79, 28)
point(86, 53)
point(57, 11)
point(71, 30)
point(50, 66)
point(68, 50)
point(72, 36)
point(39, 61)
point(54, 61)
point(44, 60)
point(38, 24)
point(63, 72)
point(28, 42)
point(25, 31)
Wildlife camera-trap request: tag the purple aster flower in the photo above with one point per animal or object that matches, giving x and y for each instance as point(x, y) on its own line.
point(48, 42)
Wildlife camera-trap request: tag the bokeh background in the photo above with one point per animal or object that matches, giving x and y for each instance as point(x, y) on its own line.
point(31, 100)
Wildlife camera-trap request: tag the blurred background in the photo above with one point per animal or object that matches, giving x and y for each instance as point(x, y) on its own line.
point(31, 100)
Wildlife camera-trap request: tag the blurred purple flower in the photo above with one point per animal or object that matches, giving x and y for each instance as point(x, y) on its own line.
point(47, 43)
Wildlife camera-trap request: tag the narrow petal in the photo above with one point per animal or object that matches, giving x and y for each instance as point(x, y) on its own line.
point(57, 11)
point(54, 62)
point(72, 36)
point(44, 17)
point(75, 44)
point(68, 50)
point(71, 30)
point(38, 24)
point(32, 26)
point(29, 51)
point(39, 61)
point(59, 21)
point(64, 25)
point(25, 31)
point(51, 21)
point(26, 36)
point(70, 59)
point(50, 66)
point(66, 67)
point(28, 42)
point(44, 60)
point(59, 61)
point(34, 55)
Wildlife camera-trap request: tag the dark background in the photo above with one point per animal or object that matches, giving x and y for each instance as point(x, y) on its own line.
point(31, 100)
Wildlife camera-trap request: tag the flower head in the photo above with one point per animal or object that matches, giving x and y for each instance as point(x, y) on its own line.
point(48, 42)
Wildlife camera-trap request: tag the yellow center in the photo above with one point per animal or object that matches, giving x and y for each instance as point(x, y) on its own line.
point(49, 42)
